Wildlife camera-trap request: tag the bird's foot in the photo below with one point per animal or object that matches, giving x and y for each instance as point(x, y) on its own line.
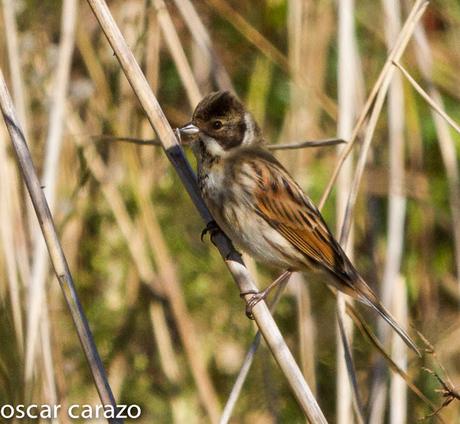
point(212, 228)
point(256, 297)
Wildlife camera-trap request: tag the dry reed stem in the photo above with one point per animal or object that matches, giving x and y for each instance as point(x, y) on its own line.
point(14, 59)
point(50, 180)
point(446, 142)
point(201, 36)
point(396, 211)
point(377, 105)
point(153, 110)
point(385, 75)
point(307, 339)
point(177, 52)
point(54, 247)
point(398, 388)
point(346, 114)
point(249, 358)
point(437, 107)
point(7, 238)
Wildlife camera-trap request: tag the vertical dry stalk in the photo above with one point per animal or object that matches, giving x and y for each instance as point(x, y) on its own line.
point(49, 181)
point(377, 105)
point(398, 388)
point(346, 115)
point(396, 207)
point(54, 247)
point(12, 44)
point(169, 142)
point(7, 240)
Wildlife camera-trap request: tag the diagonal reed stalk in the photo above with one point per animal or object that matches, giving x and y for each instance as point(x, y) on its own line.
point(380, 87)
point(233, 260)
point(54, 247)
point(201, 36)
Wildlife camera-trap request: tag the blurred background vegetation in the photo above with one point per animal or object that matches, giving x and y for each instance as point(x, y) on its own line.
point(166, 315)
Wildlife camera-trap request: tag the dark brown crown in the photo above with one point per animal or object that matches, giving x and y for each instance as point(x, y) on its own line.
point(218, 104)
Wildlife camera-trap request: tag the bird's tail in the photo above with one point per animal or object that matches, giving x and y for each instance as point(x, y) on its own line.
point(367, 296)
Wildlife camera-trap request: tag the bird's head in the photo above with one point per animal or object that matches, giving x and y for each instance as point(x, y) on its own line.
point(222, 123)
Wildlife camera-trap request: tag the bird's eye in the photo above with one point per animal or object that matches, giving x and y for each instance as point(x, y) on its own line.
point(217, 125)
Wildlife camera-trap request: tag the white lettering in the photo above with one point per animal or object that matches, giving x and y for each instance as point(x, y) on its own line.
point(70, 411)
point(29, 411)
point(20, 411)
point(121, 410)
point(138, 409)
point(87, 412)
point(109, 411)
point(3, 413)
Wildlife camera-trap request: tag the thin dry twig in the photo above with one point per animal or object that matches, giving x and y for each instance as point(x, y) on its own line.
point(249, 358)
point(445, 140)
point(437, 108)
point(54, 247)
point(289, 146)
point(447, 390)
point(233, 260)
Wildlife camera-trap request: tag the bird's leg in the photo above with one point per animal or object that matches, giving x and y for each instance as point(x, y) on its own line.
point(257, 296)
point(212, 228)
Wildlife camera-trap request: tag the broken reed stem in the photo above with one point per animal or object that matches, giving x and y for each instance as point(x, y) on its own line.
point(54, 247)
point(233, 260)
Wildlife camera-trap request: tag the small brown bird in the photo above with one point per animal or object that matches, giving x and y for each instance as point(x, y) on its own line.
point(255, 201)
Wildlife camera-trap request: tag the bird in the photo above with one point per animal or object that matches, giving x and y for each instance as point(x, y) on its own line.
point(261, 208)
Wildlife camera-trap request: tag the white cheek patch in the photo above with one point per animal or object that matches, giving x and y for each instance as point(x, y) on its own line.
point(249, 133)
point(212, 146)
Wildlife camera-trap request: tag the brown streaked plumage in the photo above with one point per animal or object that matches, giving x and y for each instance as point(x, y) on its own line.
point(259, 205)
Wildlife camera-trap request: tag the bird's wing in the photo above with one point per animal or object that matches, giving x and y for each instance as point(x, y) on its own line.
point(283, 204)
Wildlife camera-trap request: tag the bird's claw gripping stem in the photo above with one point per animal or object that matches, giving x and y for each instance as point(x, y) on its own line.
point(256, 297)
point(212, 228)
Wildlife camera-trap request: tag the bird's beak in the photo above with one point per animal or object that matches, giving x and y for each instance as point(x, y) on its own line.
point(189, 129)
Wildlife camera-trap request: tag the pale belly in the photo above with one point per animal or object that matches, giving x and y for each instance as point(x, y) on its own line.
point(235, 214)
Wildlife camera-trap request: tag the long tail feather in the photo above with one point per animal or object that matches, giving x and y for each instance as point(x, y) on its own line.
point(367, 296)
